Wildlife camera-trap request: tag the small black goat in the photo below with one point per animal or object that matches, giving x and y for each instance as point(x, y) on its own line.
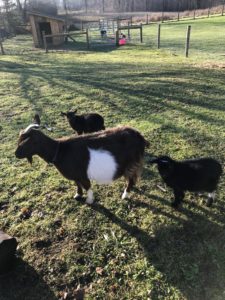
point(195, 175)
point(102, 156)
point(85, 123)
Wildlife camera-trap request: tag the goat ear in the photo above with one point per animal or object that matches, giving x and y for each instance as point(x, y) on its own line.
point(37, 119)
point(75, 111)
point(23, 137)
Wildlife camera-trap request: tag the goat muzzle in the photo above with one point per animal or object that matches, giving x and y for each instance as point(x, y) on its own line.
point(19, 155)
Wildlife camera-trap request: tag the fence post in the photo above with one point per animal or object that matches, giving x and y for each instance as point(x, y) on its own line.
point(128, 31)
point(117, 37)
point(45, 42)
point(178, 11)
point(188, 40)
point(87, 38)
point(118, 23)
point(147, 19)
point(223, 8)
point(1, 45)
point(2, 49)
point(208, 12)
point(194, 15)
point(141, 34)
point(159, 34)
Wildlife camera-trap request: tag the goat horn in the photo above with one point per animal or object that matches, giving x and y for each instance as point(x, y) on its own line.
point(26, 130)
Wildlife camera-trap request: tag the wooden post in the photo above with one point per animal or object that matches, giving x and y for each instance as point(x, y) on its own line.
point(117, 37)
point(131, 20)
point(87, 38)
point(163, 4)
point(223, 8)
point(141, 34)
point(188, 40)
point(147, 19)
point(178, 11)
point(159, 34)
point(118, 23)
point(129, 31)
point(194, 15)
point(1, 47)
point(45, 42)
point(81, 25)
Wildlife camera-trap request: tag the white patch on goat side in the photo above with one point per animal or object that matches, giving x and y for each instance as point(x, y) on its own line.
point(90, 197)
point(102, 166)
point(212, 195)
point(125, 194)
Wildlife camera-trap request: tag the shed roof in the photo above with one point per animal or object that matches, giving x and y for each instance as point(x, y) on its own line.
point(46, 16)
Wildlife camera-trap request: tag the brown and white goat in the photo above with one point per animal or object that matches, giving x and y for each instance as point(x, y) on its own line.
point(102, 156)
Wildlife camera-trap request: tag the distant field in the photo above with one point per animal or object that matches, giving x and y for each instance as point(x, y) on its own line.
point(116, 249)
point(207, 39)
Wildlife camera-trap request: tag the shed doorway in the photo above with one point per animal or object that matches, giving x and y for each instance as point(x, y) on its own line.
point(46, 27)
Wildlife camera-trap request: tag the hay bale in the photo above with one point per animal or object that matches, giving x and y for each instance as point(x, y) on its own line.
point(8, 246)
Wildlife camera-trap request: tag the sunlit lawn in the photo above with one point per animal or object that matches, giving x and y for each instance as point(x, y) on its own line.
point(116, 249)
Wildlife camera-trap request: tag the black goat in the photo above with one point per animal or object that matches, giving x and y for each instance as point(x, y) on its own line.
point(102, 156)
point(195, 175)
point(37, 119)
point(85, 123)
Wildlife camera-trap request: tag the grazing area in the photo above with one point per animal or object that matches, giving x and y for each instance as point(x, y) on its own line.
point(137, 248)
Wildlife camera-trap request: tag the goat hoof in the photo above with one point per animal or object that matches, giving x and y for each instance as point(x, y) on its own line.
point(209, 202)
point(175, 205)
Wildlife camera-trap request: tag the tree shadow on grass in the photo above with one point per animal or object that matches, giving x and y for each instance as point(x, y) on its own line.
point(185, 253)
point(24, 283)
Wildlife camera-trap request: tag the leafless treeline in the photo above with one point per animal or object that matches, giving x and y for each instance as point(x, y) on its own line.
point(140, 5)
point(14, 12)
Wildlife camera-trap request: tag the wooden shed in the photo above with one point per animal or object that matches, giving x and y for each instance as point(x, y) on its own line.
point(50, 25)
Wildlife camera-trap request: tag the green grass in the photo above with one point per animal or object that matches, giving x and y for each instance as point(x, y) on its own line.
point(135, 249)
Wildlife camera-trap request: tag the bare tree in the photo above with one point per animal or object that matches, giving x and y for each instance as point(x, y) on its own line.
point(86, 7)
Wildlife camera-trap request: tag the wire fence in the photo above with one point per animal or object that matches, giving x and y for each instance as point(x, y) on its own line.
point(207, 38)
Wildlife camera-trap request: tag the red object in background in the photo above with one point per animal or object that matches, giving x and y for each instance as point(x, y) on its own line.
point(122, 42)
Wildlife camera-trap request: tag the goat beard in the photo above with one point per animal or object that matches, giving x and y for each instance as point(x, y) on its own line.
point(29, 158)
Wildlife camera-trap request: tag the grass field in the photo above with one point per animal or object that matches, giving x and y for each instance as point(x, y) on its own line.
point(116, 249)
